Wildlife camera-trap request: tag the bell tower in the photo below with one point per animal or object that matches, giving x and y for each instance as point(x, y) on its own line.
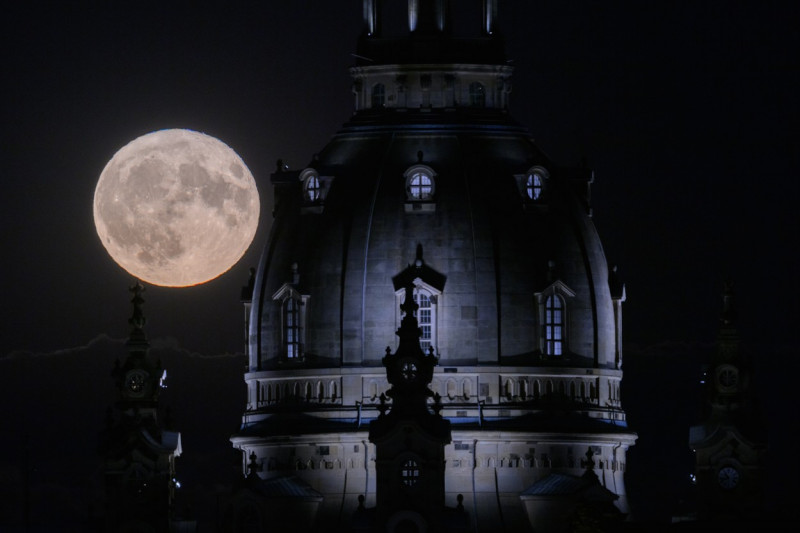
point(410, 439)
point(138, 449)
point(730, 444)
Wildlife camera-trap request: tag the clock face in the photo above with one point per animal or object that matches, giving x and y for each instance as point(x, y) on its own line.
point(408, 370)
point(728, 477)
point(135, 382)
point(727, 377)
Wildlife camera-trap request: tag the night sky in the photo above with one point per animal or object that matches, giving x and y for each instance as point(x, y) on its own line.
point(687, 112)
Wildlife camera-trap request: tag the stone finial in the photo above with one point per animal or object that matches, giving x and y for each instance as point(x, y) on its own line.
point(418, 261)
point(383, 407)
point(551, 270)
point(252, 466)
point(589, 459)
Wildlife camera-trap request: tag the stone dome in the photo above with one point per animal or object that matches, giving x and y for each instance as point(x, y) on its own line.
point(432, 184)
point(482, 237)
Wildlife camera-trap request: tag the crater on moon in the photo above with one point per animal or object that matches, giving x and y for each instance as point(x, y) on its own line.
point(176, 207)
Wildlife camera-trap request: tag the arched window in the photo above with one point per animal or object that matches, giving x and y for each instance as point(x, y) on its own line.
point(534, 186)
point(320, 391)
point(424, 318)
point(378, 96)
point(291, 328)
point(477, 95)
point(420, 186)
point(554, 325)
point(308, 392)
point(311, 188)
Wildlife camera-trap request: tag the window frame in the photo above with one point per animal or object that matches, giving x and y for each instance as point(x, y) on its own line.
point(311, 188)
point(554, 328)
point(425, 172)
point(433, 296)
point(531, 192)
point(550, 346)
point(292, 332)
point(378, 96)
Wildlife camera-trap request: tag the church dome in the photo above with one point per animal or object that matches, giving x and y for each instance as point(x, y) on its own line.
point(432, 178)
point(471, 207)
point(432, 184)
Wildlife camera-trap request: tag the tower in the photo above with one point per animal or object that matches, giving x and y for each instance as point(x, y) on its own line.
point(432, 187)
point(410, 440)
point(730, 443)
point(138, 449)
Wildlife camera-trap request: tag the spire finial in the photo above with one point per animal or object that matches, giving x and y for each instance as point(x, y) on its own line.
point(137, 320)
point(728, 304)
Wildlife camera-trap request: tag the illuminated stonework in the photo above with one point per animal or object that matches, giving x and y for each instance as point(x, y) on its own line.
point(527, 396)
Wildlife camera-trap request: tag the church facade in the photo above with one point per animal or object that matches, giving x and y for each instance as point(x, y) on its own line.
point(432, 185)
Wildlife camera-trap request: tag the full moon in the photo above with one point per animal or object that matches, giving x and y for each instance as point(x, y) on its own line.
point(176, 207)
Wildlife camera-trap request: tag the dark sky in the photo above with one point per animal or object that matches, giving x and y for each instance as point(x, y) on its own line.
point(687, 111)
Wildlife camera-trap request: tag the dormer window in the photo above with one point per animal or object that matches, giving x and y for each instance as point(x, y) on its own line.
point(425, 318)
point(554, 325)
point(311, 188)
point(314, 190)
point(477, 95)
point(293, 306)
point(420, 187)
point(553, 314)
point(427, 298)
point(378, 96)
point(534, 186)
point(291, 328)
point(428, 285)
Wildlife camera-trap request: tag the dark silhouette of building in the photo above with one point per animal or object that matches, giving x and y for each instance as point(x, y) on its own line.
point(409, 442)
point(730, 442)
point(139, 450)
